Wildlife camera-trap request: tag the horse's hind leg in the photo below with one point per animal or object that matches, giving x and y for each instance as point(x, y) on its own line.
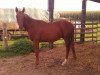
point(73, 48)
point(68, 44)
point(51, 45)
point(73, 51)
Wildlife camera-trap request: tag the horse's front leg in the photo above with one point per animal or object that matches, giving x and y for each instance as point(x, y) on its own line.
point(36, 45)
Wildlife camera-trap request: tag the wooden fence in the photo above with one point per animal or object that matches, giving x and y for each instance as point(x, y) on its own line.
point(92, 32)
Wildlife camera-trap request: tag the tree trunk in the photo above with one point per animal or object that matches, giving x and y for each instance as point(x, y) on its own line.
point(83, 19)
point(50, 9)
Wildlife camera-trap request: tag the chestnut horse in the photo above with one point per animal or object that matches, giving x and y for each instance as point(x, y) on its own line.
point(41, 31)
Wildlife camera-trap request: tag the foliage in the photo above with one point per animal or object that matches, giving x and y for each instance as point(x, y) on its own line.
point(19, 47)
point(90, 15)
point(23, 44)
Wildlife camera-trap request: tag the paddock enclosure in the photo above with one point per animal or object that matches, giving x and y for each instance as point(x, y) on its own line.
point(87, 63)
point(87, 51)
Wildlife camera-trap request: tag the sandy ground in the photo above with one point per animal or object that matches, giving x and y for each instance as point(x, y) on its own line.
point(87, 63)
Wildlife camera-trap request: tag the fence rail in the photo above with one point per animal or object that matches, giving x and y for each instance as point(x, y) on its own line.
point(92, 32)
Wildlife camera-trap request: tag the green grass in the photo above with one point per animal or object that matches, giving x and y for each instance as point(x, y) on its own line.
point(61, 41)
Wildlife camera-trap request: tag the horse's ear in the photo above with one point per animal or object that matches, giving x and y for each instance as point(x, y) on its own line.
point(16, 9)
point(23, 10)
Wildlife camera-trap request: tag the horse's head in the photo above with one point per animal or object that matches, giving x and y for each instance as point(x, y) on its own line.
point(20, 17)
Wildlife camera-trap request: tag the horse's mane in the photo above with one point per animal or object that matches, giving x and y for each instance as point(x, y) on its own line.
point(36, 20)
point(32, 19)
point(28, 17)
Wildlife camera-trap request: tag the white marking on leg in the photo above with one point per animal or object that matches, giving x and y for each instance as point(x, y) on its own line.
point(64, 62)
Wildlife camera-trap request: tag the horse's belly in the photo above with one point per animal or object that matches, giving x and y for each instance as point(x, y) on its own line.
point(50, 37)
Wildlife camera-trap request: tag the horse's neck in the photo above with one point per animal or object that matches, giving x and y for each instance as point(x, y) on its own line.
point(27, 22)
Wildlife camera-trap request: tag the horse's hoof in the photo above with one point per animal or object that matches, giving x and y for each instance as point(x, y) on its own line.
point(64, 62)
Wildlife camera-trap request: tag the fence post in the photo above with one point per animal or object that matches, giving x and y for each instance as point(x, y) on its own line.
point(5, 37)
point(83, 19)
point(50, 9)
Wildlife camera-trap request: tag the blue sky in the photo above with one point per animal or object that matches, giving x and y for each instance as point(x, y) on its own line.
point(60, 5)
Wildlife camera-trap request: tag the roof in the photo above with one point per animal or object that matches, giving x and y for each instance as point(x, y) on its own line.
point(9, 15)
point(96, 1)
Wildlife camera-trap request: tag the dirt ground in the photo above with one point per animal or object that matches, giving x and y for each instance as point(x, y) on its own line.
point(87, 62)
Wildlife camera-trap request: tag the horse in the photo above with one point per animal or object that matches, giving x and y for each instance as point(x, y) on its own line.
point(41, 31)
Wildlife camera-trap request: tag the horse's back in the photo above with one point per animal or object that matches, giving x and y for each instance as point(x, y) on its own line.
point(66, 26)
point(62, 27)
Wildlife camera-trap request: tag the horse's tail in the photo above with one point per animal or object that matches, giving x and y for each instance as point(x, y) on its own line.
point(72, 39)
point(72, 45)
